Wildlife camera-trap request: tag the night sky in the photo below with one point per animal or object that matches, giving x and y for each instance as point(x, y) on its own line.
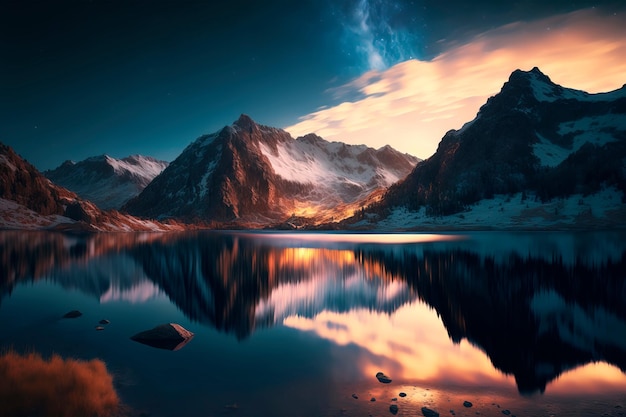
point(84, 78)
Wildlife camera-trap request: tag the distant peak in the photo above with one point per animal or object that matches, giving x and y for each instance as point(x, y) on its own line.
point(68, 163)
point(533, 73)
point(244, 122)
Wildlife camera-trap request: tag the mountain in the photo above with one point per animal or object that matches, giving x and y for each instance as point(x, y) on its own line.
point(252, 174)
point(536, 154)
point(28, 200)
point(106, 181)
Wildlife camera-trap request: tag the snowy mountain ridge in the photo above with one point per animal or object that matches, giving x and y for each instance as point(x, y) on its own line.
point(28, 200)
point(255, 174)
point(107, 181)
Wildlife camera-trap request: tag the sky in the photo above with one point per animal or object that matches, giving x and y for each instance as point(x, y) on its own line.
point(121, 77)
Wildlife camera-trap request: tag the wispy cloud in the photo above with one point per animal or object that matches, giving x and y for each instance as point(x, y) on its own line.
point(412, 104)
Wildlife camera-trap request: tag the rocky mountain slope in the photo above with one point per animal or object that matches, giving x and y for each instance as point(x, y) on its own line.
point(253, 175)
point(28, 200)
point(541, 150)
point(108, 182)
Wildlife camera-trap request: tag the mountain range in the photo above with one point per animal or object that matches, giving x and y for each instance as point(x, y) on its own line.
point(28, 200)
point(252, 174)
point(105, 181)
point(537, 155)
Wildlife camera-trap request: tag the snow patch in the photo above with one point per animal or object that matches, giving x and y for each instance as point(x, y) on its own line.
point(597, 130)
point(505, 212)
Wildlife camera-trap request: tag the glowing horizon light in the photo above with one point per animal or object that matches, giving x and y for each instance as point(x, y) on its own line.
point(412, 104)
point(378, 238)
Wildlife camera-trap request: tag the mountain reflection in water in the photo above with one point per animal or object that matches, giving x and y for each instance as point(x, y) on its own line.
point(537, 304)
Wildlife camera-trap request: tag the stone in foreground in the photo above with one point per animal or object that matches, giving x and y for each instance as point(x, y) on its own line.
point(170, 336)
point(383, 378)
point(429, 413)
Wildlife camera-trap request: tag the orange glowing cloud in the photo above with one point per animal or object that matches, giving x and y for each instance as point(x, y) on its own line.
point(411, 105)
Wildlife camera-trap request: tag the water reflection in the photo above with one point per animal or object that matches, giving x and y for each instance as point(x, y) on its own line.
point(538, 305)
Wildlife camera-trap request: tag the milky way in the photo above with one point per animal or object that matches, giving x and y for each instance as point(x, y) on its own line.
point(379, 33)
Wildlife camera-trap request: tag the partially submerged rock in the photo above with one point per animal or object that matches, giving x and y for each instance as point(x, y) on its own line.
point(383, 378)
point(467, 404)
point(104, 321)
point(72, 314)
point(393, 409)
point(170, 336)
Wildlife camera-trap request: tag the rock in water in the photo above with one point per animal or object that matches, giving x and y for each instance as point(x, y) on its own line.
point(170, 336)
point(467, 404)
point(429, 413)
point(402, 394)
point(383, 378)
point(104, 321)
point(72, 314)
point(393, 409)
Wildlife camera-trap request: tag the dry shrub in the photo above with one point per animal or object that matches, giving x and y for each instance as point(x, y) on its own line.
point(33, 386)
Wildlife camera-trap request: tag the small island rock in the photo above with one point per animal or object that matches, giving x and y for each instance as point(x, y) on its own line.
point(402, 394)
point(104, 321)
point(393, 409)
point(99, 328)
point(356, 397)
point(383, 378)
point(170, 336)
point(72, 314)
point(467, 404)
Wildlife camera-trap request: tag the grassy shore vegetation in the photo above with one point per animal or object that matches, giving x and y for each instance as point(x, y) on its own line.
point(31, 385)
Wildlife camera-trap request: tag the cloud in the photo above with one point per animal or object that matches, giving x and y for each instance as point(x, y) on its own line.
point(412, 104)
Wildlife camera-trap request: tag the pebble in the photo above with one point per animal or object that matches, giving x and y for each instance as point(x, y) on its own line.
point(356, 397)
point(467, 404)
point(394, 399)
point(104, 321)
point(393, 409)
point(506, 412)
point(402, 394)
point(99, 328)
point(429, 413)
point(383, 378)
point(373, 399)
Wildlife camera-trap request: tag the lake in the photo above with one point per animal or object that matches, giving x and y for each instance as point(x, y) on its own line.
point(299, 324)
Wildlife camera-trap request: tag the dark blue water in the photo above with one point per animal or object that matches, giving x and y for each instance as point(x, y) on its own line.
point(294, 324)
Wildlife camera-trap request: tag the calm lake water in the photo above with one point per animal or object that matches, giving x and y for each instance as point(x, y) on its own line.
point(295, 324)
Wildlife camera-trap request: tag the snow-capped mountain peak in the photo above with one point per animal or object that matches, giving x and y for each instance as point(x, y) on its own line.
point(534, 138)
point(251, 173)
point(108, 182)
